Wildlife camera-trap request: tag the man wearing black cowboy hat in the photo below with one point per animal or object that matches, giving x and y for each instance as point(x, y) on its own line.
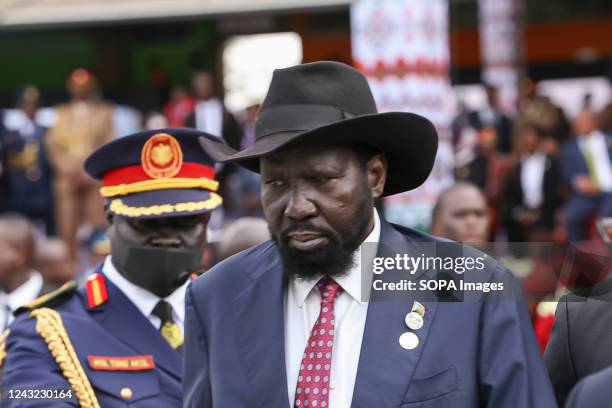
point(290, 322)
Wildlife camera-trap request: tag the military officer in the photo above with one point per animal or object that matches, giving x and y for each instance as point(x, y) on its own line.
point(27, 176)
point(83, 124)
point(117, 341)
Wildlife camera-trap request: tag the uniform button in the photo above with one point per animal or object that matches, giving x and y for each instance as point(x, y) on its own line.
point(126, 393)
point(332, 385)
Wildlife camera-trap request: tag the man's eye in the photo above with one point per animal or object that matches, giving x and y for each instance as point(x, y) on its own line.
point(275, 183)
point(321, 180)
point(137, 225)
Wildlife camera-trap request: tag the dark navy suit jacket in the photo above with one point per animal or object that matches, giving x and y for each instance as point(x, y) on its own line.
point(593, 391)
point(113, 329)
point(470, 354)
point(573, 162)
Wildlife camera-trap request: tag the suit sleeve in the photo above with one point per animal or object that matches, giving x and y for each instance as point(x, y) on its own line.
point(558, 355)
point(511, 368)
point(196, 370)
point(575, 398)
point(30, 365)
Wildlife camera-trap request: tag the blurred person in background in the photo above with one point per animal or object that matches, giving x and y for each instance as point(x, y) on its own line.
point(487, 167)
point(487, 171)
point(155, 120)
point(461, 214)
point(242, 185)
point(27, 177)
point(586, 163)
point(83, 124)
point(464, 136)
point(20, 283)
point(209, 114)
point(53, 262)
point(492, 115)
point(605, 119)
point(242, 234)
point(242, 188)
point(539, 111)
point(179, 107)
point(248, 124)
point(531, 194)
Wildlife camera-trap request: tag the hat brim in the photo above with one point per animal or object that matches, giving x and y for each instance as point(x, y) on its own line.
point(164, 203)
point(408, 141)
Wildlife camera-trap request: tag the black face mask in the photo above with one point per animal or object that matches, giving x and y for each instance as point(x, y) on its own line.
point(160, 270)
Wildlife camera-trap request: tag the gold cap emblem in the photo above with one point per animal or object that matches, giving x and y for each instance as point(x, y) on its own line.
point(162, 156)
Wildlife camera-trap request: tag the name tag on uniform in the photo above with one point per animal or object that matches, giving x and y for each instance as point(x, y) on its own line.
point(121, 363)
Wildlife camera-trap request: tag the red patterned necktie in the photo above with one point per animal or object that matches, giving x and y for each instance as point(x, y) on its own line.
point(312, 389)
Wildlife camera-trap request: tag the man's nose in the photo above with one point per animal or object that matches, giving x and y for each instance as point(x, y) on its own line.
point(300, 207)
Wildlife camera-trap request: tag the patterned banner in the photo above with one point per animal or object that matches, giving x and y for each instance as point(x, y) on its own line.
point(402, 48)
point(501, 47)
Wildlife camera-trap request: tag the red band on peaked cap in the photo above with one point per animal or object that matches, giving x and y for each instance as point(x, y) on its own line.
point(134, 174)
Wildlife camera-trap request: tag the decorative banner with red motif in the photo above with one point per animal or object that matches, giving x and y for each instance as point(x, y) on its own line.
point(402, 48)
point(500, 26)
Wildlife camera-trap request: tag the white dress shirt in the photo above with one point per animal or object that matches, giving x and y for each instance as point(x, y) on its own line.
point(209, 116)
point(302, 307)
point(532, 178)
point(24, 294)
point(144, 300)
point(597, 146)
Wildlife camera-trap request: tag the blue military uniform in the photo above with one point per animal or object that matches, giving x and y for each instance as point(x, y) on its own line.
point(137, 367)
point(94, 341)
point(27, 176)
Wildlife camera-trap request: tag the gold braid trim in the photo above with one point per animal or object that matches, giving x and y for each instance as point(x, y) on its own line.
point(3, 346)
point(118, 207)
point(49, 325)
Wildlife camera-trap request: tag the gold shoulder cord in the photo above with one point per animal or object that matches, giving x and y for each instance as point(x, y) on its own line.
point(3, 346)
point(49, 325)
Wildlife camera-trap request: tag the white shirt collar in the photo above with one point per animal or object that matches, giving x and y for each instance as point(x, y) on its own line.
point(28, 291)
point(535, 156)
point(144, 300)
point(350, 282)
point(591, 138)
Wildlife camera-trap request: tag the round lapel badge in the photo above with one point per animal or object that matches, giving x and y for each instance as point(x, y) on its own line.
point(414, 320)
point(161, 156)
point(408, 341)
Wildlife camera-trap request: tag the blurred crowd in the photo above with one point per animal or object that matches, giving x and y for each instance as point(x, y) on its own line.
point(42, 150)
point(545, 177)
point(536, 176)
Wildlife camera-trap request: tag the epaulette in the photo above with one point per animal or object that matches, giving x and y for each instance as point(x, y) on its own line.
point(50, 299)
point(95, 289)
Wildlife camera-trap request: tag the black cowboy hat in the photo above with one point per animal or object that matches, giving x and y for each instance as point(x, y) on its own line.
point(329, 103)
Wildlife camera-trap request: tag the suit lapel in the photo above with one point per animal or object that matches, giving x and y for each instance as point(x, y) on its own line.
point(385, 369)
point(259, 311)
point(120, 317)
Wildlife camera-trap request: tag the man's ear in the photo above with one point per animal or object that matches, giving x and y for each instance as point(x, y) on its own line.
point(377, 174)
